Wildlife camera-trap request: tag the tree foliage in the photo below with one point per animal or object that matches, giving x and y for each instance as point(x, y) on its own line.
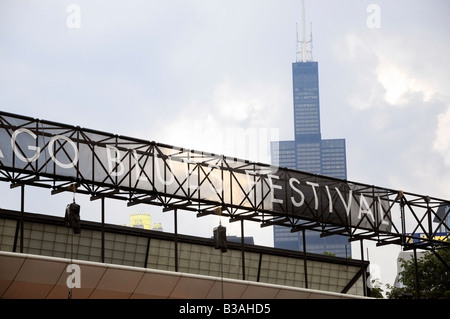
point(375, 290)
point(433, 274)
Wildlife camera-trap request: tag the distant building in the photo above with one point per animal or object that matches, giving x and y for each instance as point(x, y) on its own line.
point(310, 153)
point(157, 226)
point(247, 239)
point(144, 221)
point(141, 220)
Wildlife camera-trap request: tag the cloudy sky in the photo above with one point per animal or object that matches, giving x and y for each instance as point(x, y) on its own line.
point(216, 76)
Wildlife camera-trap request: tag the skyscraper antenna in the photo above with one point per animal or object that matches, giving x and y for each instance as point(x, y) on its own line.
point(303, 33)
point(302, 52)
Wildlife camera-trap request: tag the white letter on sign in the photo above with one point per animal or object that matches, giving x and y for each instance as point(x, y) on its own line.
point(295, 189)
point(272, 186)
point(52, 153)
point(115, 159)
point(32, 148)
point(366, 209)
point(316, 200)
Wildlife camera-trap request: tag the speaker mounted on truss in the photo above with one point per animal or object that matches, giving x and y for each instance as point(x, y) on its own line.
point(220, 238)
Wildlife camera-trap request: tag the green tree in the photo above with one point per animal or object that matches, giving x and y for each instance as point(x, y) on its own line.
point(433, 274)
point(376, 291)
point(329, 253)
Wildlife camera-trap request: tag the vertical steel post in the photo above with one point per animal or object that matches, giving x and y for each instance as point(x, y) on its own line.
point(364, 270)
point(22, 211)
point(305, 266)
point(430, 223)
point(242, 249)
point(176, 237)
point(103, 229)
point(402, 216)
point(146, 252)
point(259, 267)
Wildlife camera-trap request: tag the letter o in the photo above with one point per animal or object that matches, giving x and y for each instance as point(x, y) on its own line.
point(52, 155)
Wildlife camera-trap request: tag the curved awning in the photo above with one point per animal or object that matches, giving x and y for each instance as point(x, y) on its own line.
point(25, 276)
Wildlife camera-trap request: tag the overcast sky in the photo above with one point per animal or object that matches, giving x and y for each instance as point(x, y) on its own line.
point(209, 75)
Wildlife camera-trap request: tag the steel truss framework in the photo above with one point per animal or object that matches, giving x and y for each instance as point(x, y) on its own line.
point(69, 158)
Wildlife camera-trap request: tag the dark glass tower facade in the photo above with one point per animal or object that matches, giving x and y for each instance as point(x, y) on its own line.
point(305, 81)
point(308, 152)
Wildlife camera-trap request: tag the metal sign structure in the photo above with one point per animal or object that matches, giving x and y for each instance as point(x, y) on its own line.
point(103, 165)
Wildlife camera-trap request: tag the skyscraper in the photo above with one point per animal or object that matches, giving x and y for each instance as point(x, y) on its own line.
point(310, 153)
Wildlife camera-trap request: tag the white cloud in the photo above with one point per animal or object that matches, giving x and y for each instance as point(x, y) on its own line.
point(238, 119)
point(399, 85)
point(399, 91)
point(389, 71)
